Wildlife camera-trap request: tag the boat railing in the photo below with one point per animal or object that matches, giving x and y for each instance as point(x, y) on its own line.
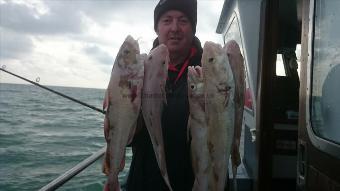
point(68, 175)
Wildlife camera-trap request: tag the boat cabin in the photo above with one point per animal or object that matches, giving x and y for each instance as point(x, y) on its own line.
point(291, 126)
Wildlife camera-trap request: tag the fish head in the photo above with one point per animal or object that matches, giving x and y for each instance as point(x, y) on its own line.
point(214, 62)
point(232, 47)
point(195, 85)
point(127, 57)
point(130, 68)
point(158, 60)
point(216, 71)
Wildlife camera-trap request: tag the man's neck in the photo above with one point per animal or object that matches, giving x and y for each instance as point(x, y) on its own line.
point(177, 58)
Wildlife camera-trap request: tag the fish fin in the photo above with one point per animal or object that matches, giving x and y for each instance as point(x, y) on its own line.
point(132, 133)
point(188, 129)
point(106, 128)
point(164, 95)
point(106, 100)
point(122, 163)
point(226, 101)
point(106, 163)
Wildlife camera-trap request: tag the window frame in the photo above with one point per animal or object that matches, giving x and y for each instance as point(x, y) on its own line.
point(321, 143)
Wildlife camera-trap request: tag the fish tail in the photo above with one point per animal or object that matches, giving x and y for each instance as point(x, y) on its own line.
point(167, 181)
point(112, 183)
point(234, 178)
point(106, 164)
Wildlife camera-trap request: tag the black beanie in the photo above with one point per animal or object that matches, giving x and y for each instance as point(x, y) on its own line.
point(188, 7)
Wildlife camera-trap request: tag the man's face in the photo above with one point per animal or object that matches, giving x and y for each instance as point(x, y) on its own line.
point(175, 31)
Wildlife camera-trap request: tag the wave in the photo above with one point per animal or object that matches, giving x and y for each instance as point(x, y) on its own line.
point(42, 135)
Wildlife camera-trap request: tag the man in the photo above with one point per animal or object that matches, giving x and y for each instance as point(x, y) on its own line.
point(175, 26)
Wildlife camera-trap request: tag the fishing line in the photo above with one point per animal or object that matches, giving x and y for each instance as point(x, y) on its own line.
point(53, 91)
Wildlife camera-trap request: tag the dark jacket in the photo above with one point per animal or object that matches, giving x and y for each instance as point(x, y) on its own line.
point(144, 172)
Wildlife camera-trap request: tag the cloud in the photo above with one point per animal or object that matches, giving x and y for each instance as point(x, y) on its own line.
point(208, 15)
point(74, 43)
point(105, 11)
point(13, 45)
point(59, 18)
point(98, 54)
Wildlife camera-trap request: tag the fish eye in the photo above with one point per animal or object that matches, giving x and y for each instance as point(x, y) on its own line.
point(126, 51)
point(211, 59)
point(228, 88)
point(150, 57)
point(192, 86)
point(163, 62)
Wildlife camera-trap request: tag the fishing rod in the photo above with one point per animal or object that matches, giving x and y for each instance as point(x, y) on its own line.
point(53, 91)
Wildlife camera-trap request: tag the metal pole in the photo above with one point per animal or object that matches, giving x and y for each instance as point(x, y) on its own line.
point(56, 183)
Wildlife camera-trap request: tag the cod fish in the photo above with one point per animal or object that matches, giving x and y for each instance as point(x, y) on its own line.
point(153, 100)
point(198, 129)
point(123, 101)
point(219, 108)
point(237, 66)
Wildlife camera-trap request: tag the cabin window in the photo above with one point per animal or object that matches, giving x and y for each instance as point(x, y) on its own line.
point(325, 79)
point(298, 57)
point(234, 33)
point(280, 69)
point(288, 62)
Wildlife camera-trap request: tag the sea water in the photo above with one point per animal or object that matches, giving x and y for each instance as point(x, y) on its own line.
point(42, 135)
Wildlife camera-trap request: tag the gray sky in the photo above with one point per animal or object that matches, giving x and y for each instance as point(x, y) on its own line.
point(74, 43)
